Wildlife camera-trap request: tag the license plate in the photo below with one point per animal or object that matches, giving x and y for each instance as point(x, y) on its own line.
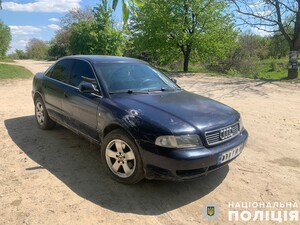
point(226, 156)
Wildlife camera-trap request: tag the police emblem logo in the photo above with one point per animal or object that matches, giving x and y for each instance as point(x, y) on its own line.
point(210, 210)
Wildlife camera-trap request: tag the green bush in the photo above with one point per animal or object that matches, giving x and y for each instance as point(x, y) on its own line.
point(274, 66)
point(233, 72)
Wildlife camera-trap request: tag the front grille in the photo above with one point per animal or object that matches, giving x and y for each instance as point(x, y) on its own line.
point(220, 135)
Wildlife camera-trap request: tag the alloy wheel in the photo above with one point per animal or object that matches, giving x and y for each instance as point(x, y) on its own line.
point(120, 158)
point(40, 116)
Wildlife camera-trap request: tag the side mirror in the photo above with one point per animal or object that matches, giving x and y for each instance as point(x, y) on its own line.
point(174, 80)
point(85, 87)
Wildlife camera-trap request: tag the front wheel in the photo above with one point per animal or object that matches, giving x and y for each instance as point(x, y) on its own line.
point(121, 157)
point(42, 118)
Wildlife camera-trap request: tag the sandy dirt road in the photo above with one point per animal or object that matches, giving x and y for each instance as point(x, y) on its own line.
point(55, 177)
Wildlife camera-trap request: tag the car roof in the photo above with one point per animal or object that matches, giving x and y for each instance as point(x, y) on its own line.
point(105, 59)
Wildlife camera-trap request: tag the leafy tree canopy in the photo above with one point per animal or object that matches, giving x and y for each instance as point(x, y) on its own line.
point(128, 7)
point(37, 49)
point(5, 38)
point(169, 30)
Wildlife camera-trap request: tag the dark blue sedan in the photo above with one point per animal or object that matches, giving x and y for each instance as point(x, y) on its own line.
point(146, 125)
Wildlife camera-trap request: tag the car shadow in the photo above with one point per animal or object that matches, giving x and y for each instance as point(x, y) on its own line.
point(76, 162)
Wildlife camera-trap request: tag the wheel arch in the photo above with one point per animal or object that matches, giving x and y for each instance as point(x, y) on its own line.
point(114, 126)
point(38, 95)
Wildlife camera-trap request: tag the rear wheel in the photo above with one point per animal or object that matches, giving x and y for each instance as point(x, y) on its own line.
point(42, 118)
point(121, 157)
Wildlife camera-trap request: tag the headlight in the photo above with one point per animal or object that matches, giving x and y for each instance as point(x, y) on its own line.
point(241, 125)
point(183, 141)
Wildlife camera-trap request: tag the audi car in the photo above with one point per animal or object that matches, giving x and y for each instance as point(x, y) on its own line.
point(146, 126)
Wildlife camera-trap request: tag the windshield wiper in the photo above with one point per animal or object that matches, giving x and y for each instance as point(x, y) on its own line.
point(137, 91)
point(163, 89)
point(129, 92)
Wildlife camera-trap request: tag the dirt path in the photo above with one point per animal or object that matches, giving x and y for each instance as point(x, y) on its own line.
point(55, 177)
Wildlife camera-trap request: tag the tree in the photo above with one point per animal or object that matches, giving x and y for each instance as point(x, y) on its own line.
point(60, 45)
point(197, 29)
point(76, 16)
point(82, 40)
point(98, 36)
point(275, 16)
point(19, 54)
point(250, 48)
point(128, 6)
point(5, 38)
point(278, 46)
point(110, 40)
point(37, 49)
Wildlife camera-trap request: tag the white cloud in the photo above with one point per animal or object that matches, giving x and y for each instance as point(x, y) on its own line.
point(54, 26)
point(264, 13)
point(18, 44)
point(24, 30)
point(257, 4)
point(22, 34)
point(55, 20)
point(22, 43)
point(42, 6)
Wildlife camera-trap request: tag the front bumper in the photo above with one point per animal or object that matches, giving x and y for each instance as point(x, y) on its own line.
point(183, 164)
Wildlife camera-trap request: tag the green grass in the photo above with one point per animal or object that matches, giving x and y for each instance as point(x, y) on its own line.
point(272, 69)
point(12, 71)
point(193, 69)
point(268, 69)
point(6, 59)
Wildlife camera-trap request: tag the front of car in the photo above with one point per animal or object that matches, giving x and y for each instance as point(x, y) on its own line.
point(180, 135)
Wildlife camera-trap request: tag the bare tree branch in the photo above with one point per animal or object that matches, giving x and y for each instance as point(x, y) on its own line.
point(288, 8)
point(281, 16)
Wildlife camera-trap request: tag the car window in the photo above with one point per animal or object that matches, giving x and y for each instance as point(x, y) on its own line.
point(81, 69)
point(120, 77)
point(61, 70)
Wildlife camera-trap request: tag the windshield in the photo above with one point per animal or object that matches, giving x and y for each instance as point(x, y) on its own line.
point(133, 77)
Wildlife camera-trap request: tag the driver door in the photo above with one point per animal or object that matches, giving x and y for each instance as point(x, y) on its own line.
point(81, 108)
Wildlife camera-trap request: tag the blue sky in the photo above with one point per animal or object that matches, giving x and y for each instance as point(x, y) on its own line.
point(29, 19)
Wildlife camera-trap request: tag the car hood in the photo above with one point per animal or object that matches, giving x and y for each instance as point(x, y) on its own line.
point(179, 111)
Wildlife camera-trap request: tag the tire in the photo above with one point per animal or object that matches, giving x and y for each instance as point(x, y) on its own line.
point(41, 115)
point(121, 157)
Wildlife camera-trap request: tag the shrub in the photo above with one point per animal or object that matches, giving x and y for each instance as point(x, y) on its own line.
point(274, 66)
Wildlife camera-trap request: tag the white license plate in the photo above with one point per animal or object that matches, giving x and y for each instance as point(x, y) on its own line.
point(226, 156)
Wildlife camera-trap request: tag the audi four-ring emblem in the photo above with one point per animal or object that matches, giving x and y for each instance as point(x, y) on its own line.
point(226, 133)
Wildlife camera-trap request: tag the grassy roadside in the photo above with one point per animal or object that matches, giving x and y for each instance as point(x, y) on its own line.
point(267, 69)
point(6, 59)
point(13, 71)
point(272, 69)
